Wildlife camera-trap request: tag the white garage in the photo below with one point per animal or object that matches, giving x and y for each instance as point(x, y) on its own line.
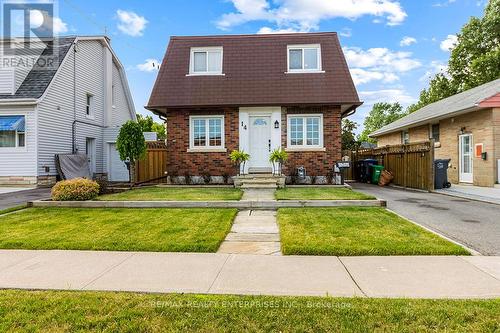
point(118, 171)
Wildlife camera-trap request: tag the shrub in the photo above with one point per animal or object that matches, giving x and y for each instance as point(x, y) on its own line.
point(78, 189)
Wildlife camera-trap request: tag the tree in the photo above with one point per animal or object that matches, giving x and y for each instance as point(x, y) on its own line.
point(131, 145)
point(380, 115)
point(474, 60)
point(149, 125)
point(349, 141)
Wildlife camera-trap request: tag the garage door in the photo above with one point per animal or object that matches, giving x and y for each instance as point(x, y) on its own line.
point(118, 171)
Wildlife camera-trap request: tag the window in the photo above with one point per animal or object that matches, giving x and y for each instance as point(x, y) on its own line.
point(304, 58)
point(405, 137)
point(206, 61)
point(89, 106)
point(305, 131)
point(206, 132)
point(435, 132)
point(12, 131)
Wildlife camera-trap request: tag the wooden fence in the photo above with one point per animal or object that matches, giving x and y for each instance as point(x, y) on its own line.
point(412, 164)
point(152, 168)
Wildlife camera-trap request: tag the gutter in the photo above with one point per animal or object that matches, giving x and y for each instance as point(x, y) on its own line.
point(424, 121)
point(19, 101)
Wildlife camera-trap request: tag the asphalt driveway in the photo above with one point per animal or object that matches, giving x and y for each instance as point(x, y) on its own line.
point(472, 223)
point(17, 198)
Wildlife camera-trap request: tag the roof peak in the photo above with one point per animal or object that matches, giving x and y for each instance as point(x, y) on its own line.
point(284, 34)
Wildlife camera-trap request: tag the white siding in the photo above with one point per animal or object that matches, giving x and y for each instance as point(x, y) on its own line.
point(20, 161)
point(121, 109)
point(7, 81)
point(56, 111)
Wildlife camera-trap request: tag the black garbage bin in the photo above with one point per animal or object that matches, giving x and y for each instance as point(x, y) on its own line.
point(365, 170)
point(441, 174)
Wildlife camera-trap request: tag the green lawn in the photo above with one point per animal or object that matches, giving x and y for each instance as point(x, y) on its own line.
point(176, 193)
point(12, 209)
point(320, 193)
point(356, 231)
point(56, 311)
point(116, 229)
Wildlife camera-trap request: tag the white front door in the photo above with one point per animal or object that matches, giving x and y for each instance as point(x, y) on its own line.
point(465, 158)
point(90, 151)
point(260, 141)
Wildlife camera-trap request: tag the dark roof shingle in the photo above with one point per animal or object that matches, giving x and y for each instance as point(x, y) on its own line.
point(37, 81)
point(254, 68)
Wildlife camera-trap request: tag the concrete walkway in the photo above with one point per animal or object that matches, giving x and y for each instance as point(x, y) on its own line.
point(213, 273)
point(484, 194)
point(254, 194)
point(253, 232)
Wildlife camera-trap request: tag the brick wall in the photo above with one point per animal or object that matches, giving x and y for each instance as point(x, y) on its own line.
point(480, 125)
point(419, 134)
point(181, 162)
point(317, 163)
point(389, 139)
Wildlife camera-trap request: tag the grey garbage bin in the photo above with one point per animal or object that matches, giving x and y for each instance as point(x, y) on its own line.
point(441, 174)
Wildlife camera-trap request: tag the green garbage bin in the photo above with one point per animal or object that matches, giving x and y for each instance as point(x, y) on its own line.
point(377, 171)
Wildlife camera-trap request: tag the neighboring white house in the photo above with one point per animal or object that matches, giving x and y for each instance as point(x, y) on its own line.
point(76, 107)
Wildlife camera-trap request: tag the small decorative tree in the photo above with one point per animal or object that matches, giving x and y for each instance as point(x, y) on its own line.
point(279, 157)
point(131, 146)
point(239, 158)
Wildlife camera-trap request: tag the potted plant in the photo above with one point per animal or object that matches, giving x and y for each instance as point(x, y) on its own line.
point(239, 158)
point(278, 157)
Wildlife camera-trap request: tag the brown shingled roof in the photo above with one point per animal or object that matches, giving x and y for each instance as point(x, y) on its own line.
point(254, 68)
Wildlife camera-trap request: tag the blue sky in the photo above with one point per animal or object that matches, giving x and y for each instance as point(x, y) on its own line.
point(392, 47)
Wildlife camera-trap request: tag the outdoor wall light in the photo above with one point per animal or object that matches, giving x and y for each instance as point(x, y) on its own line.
point(276, 124)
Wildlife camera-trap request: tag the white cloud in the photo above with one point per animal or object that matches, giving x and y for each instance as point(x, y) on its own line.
point(386, 95)
point(380, 58)
point(268, 30)
point(407, 41)
point(305, 15)
point(434, 68)
point(38, 20)
point(150, 65)
point(443, 4)
point(130, 23)
point(361, 76)
point(449, 43)
point(378, 64)
point(346, 32)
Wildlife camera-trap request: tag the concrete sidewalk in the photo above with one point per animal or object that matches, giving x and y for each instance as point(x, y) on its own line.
point(484, 194)
point(415, 277)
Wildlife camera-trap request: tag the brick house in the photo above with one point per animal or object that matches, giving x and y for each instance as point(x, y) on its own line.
point(254, 93)
point(465, 128)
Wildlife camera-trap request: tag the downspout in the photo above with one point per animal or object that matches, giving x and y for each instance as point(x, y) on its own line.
point(73, 126)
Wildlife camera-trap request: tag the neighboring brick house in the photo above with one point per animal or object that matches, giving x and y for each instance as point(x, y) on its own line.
point(254, 93)
point(463, 126)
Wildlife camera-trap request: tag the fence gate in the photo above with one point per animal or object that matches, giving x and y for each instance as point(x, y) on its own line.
point(411, 164)
point(152, 168)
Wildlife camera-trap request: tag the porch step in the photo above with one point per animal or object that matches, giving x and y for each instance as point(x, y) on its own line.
point(260, 170)
point(272, 186)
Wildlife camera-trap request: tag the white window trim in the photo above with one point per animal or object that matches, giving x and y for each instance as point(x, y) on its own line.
point(403, 137)
point(91, 114)
point(206, 148)
point(17, 148)
point(205, 49)
point(302, 47)
point(304, 147)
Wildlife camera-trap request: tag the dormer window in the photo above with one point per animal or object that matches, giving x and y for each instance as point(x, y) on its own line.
point(206, 61)
point(304, 58)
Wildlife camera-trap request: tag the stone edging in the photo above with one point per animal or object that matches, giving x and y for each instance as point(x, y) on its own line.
point(210, 204)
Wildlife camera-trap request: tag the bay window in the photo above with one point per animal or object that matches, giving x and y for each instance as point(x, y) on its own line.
point(305, 131)
point(12, 131)
point(206, 132)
